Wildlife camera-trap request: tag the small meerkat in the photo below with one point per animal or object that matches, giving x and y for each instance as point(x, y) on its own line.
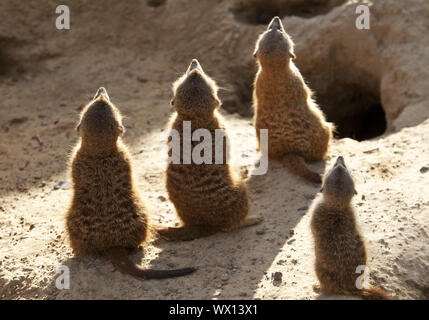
point(208, 197)
point(107, 217)
point(283, 104)
point(339, 246)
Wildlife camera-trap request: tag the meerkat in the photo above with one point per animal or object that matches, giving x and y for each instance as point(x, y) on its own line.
point(208, 197)
point(339, 246)
point(283, 104)
point(107, 217)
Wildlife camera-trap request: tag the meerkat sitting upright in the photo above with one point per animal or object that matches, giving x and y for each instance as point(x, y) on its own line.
point(107, 217)
point(208, 197)
point(283, 104)
point(339, 246)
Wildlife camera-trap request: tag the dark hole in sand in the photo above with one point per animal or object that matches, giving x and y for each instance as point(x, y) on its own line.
point(156, 3)
point(7, 65)
point(262, 11)
point(355, 110)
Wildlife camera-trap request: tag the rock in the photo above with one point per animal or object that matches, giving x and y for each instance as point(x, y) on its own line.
point(162, 198)
point(65, 185)
point(281, 262)
point(424, 169)
point(260, 231)
point(277, 277)
point(141, 79)
point(17, 121)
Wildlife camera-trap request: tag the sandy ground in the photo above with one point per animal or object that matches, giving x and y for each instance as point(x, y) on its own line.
point(39, 110)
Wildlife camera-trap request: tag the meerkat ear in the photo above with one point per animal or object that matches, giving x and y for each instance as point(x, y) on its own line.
point(321, 189)
point(78, 127)
point(255, 53)
point(121, 129)
point(292, 55)
point(172, 102)
point(355, 192)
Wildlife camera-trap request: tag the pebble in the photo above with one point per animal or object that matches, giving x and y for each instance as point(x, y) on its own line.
point(277, 276)
point(260, 231)
point(141, 79)
point(162, 198)
point(62, 185)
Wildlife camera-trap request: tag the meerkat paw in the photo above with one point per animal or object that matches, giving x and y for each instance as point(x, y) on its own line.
point(251, 220)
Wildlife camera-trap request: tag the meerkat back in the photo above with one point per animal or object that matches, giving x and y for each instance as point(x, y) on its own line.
point(208, 197)
point(339, 246)
point(283, 104)
point(107, 216)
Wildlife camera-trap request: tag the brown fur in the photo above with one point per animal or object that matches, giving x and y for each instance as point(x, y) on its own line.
point(208, 197)
point(283, 104)
point(339, 246)
point(107, 216)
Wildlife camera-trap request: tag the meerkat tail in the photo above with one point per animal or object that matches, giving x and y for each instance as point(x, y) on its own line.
point(119, 258)
point(374, 294)
point(297, 165)
point(186, 233)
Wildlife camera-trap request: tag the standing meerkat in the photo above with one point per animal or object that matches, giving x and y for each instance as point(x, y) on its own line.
point(208, 197)
point(339, 246)
point(283, 104)
point(107, 217)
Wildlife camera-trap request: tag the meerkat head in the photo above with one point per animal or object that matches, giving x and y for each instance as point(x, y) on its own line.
point(100, 121)
point(195, 93)
point(338, 182)
point(274, 46)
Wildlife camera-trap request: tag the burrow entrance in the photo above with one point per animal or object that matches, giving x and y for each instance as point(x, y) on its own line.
point(262, 11)
point(350, 98)
point(355, 109)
